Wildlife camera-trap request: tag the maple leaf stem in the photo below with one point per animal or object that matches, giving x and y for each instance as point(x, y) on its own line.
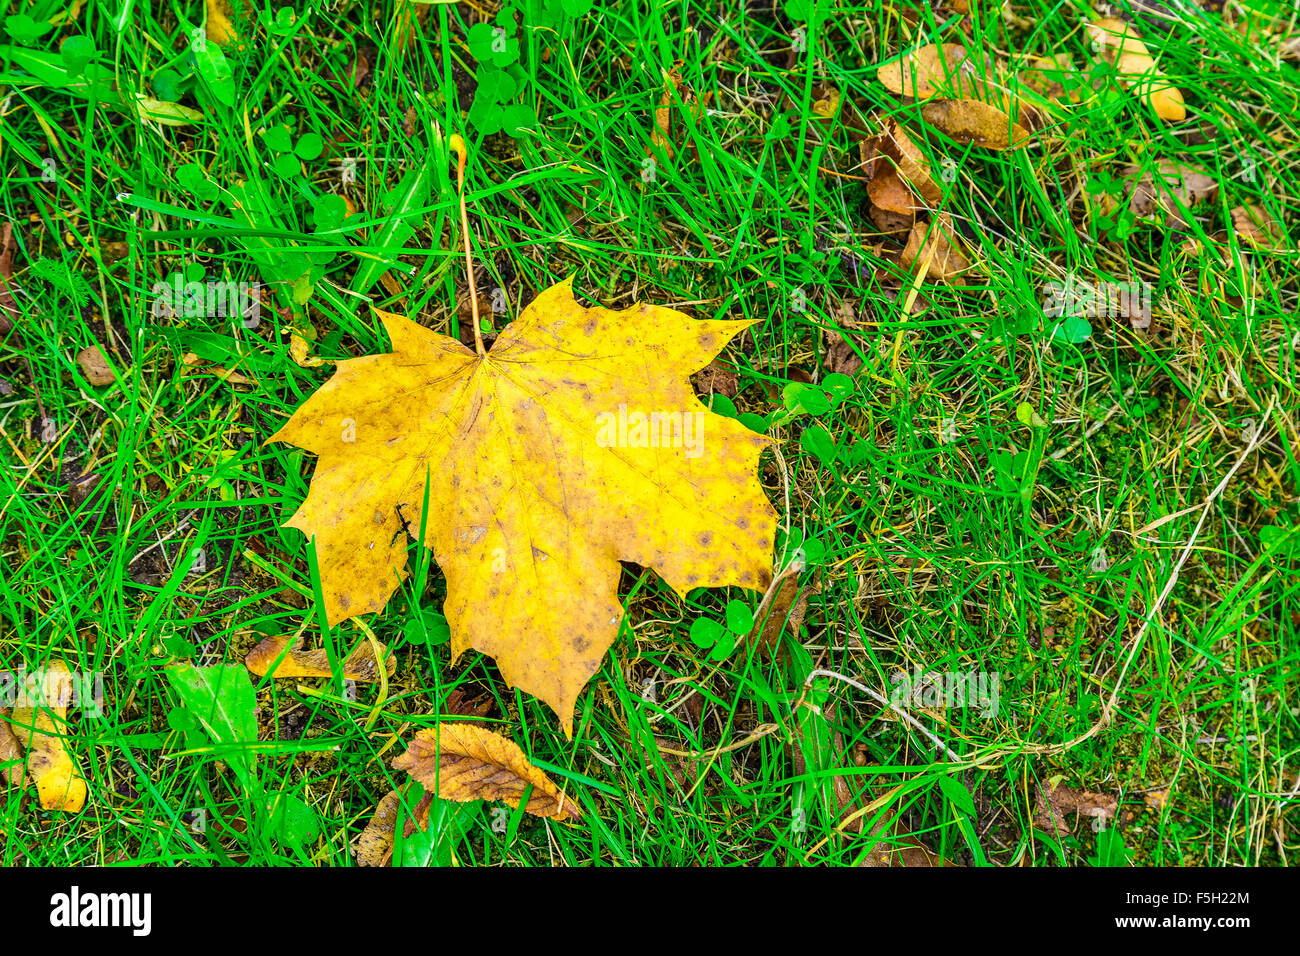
point(458, 145)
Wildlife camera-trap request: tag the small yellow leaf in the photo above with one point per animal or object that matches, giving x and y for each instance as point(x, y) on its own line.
point(462, 762)
point(827, 105)
point(925, 72)
point(1137, 70)
point(219, 28)
point(297, 662)
point(41, 725)
point(300, 351)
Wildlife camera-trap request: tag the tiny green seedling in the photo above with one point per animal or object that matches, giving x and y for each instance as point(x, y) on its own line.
point(720, 641)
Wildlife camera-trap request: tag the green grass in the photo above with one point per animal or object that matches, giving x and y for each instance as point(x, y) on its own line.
point(941, 551)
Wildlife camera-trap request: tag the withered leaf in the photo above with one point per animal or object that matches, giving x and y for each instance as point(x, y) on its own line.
point(41, 725)
point(1120, 43)
point(784, 612)
point(928, 71)
point(8, 307)
point(219, 27)
point(972, 121)
point(553, 457)
point(11, 756)
point(297, 662)
point(1170, 189)
point(1056, 800)
point(888, 221)
point(912, 164)
point(1255, 227)
point(94, 365)
point(462, 762)
point(937, 242)
point(888, 192)
point(375, 845)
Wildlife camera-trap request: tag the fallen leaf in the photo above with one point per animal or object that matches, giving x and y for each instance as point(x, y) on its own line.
point(8, 308)
point(11, 756)
point(1170, 189)
point(94, 365)
point(1157, 799)
point(888, 192)
point(1056, 800)
point(193, 365)
point(971, 121)
point(41, 725)
point(784, 614)
point(827, 103)
point(841, 356)
point(911, 164)
point(462, 762)
point(375, 845)
point(219, 28)
point(937, 242)
point(1120, 43)
point(297, 662)
point(1255, 227)
point(717, 378)
point(888, 221)
point(544, 477)
point(925, 72)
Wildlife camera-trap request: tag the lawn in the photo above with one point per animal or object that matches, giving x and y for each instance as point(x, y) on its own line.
point(1033, 437)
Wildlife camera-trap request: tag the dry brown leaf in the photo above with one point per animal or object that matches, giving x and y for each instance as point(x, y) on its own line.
point(94, 365)
point(888, 221)
point(785, 613)
point(888, 192)
point(1120, 43)
point(1255, 227)
point(1171, 188)
point(41, 726)
point(375, 845)
point(193, 365)
point(12, 754)
point(297, 662)
point(938, 242)
point(8, 308)
point(1055, 801)
point(934, 70)
point(544, 468)
point(461, 762)
point(841, 356)
point(971, 121)
point(911, 164)
point(718, 378)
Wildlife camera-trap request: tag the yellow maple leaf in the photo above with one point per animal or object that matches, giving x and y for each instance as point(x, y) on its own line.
point(574, 444)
